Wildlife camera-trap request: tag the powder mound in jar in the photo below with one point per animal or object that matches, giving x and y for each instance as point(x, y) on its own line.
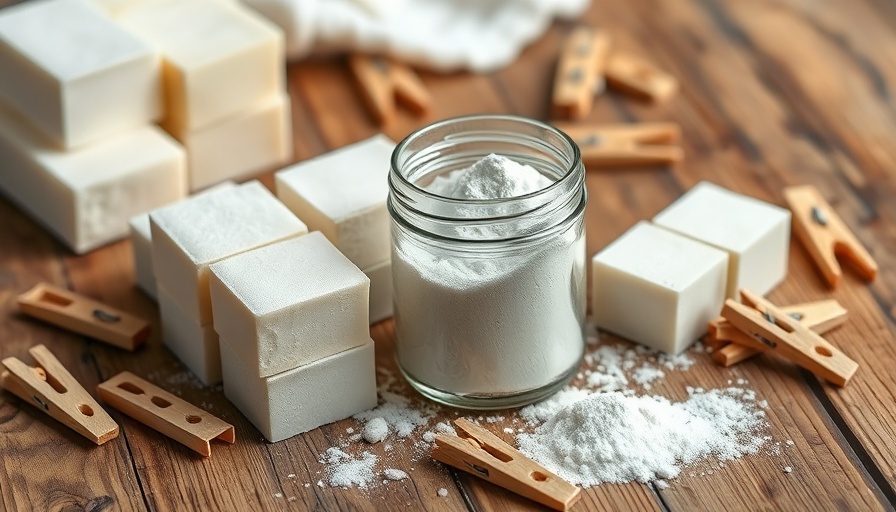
point(493, 177)
point(614, 438)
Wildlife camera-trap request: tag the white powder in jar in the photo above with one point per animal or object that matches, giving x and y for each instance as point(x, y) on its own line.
point(496, 322)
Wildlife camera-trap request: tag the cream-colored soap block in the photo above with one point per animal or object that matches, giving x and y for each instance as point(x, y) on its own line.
point(189, 236)
point(86, 196)
point(243, 144)
point(74, 73)
point(141, 243)
point(380, 291)
point(117, 8)
point(658, 288)
point(220, 58)
point(755, 234)
point(343, 195)
point(196, 346)
point(289, 303)
point(304, 398)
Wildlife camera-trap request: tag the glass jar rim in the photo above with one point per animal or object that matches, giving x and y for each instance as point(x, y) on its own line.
point(567, 175)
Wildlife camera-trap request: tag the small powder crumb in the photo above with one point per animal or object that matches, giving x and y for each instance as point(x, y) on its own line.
point(444, 428)
point(662, 484)
point(320, 483)
point(307, 485)
point(647, 374)
point(291, 475)
point(349, 430)
point(789, 442)
point(508, 430)
point(278, 494)
point(788, 469)
point(375, 430)
point(443, 492)
point(429, 437)
point(395, 474)
point(347, 471)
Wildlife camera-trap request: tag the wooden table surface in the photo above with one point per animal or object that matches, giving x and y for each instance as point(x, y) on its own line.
point(774, 93)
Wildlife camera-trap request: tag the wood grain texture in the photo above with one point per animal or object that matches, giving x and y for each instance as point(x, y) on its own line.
point(773, 93)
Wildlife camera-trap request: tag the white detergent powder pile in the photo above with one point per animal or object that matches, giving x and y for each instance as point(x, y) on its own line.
point(613, 438)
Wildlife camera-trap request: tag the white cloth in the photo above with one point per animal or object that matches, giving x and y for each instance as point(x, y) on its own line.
point(443, 35)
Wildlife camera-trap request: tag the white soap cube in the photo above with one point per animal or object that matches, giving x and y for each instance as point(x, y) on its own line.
point(289, 303)
point(86, 196)
point(658, 288)
point(304, 398)
point(189, 236)
point(243, 144)
point(380, 291)
point(195, 345)
point(141, 243)
point(755, 234)
point(219, 58)
point(343, 195)
point(74, 73)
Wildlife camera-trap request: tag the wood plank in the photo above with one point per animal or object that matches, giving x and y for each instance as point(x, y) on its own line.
point(757, 115)
point(84, 475)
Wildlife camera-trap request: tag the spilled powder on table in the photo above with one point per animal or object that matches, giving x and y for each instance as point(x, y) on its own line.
point(600, 429)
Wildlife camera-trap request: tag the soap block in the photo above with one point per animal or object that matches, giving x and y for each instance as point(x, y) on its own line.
point(658, 288)
point(304, 398)
point(243, 144)
point(343, 195)
point(289, 303)
point(75, 74)
point(195, 345)
point(219, 58)
point(141, 243)
point(189, 236)
point(86, 196)
point(380, 291)
point(755, 234)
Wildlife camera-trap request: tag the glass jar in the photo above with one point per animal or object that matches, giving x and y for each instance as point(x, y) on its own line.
point(489, 294)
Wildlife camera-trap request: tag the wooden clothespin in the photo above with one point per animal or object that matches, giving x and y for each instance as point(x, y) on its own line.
point(580, 72)
point(639, 78)
point(770, 329)
point(626, 145)
point(383, 82)
point(164, 412)
point(483, 454)
point(52, 389)
point(821, 316)
point(83, 315)
point(826, 236)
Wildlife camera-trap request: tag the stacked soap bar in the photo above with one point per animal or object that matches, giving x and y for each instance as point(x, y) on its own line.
point(343, 195)
point(77, 96)
point(660, 284)
point(755, 234)
point(657, 288)
point(141, 242)
point(295, 345)
point(187, 238)
point(223, 83)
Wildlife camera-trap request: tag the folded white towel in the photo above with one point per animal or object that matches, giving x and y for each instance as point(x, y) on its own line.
point(444, 35)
